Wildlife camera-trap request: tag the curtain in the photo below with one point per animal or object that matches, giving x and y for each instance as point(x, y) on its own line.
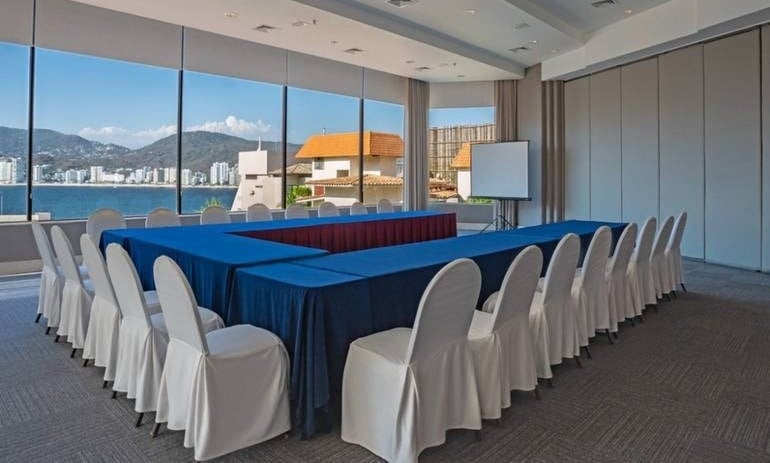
point(416, 162)
point(506, 130)
point(553, 151)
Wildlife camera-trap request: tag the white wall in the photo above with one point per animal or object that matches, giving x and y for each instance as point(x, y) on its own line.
point(682, 131)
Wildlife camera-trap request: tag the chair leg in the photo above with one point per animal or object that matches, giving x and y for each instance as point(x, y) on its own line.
point(615, 335)
point(104, 384)
point(498, 422)
point(609, 336)
point(72, 354)
point(674, 294)
point(47, 330)
point(588, 352)
point(683, 288)
point(37, 318)
point(537, 393)
point(477, 432)
point(641, 318)
point(56, 339)
point(633, 323)
point(85, 362)
point(667, 297)
point(139, 420)
point(550, 382)
point(655, 306)
point(577, 360)
point(156, 430)
point(114, 394)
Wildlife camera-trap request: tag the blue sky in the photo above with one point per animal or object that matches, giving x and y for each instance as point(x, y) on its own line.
point(134, 105)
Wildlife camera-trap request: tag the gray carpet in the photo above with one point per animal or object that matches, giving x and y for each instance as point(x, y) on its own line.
point(692, 383)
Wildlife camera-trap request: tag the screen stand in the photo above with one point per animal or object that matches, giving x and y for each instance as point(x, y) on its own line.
point(499, 221)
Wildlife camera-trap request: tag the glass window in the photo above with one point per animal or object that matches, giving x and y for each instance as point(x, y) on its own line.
point(14, 94)
point(231, 143)
point(451, 134)
point(384, 155)
point(105, 136)
point(322, 127)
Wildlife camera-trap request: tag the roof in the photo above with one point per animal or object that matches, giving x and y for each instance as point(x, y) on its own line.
point(346, 145)
point(369, 180)
point(463, 158)
point(301, 168)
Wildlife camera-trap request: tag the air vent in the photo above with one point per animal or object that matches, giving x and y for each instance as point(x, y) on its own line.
point(521, 26)
point(520, 49)
point(265, 28)
point(604, 3)
point(402, 3)
point(354, 51)
point(422, 68)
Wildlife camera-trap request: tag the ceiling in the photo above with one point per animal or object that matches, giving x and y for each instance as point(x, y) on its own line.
point(458, 40)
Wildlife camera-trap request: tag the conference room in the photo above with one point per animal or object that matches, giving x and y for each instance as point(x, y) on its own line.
point(385, 230)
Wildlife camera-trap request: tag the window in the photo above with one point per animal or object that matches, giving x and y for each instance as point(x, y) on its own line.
point(318, 164)
point(105, 136)
point(343, 173)
point(232, 153)
point(451, 134)
point(321, 126)
point(383, 152)
point(14, 91)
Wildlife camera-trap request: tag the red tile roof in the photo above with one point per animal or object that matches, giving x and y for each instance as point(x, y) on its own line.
point(346, 145)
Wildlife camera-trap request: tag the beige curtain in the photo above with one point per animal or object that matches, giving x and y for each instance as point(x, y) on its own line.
point(553, 151)
point(506, 130)
point(416, 161)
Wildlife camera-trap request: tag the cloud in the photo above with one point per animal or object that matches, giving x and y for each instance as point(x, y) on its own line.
point(125, 137)
point(233, 126)
point(102, 132)
point(156, 134)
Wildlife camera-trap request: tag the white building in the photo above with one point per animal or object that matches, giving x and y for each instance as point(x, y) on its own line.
point(97, 174)
point(256, 185)
point(75, 176)
point(186, 177)
point(220, 173)
point(11, 170)
point(37, 173)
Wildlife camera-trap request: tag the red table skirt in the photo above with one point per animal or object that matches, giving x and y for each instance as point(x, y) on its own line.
point(354, 236)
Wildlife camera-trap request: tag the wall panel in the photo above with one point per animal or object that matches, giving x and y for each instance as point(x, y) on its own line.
point(577, 152)
point(766, 148)
point(639, 134)
point(605, 146)
point(681, 143)
point(529, 106)
point(733, 150)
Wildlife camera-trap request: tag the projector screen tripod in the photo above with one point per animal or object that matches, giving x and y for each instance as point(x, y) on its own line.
point(501, 222)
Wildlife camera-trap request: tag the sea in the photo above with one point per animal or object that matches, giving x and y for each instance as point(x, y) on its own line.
point(77, 202)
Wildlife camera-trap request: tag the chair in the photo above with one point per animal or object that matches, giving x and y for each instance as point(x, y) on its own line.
point(402, 389)
point(552, 317)
point(639, 272)
point(104, 219)
point(143, 336)
point(227, 389)
point(214, 215)
point(384, 205)
point(296, 211)
point(51, 280)
point(658, 264)
point(589, 288)
point(358, 208)
point(327, 209)
point(501, 342)
point(673, 252)
point(618, 281)
point(76, 296)
point(258, 213)
point(162, 217)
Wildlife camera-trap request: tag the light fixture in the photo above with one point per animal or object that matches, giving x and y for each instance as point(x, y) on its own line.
point(422, 68)
point(533, 41)
point(443, 65)
point(554, 51)
point(460, 75)
point(628, 11)
point(333, 42)
point(604, 3)
point(231, 14)
point(521, 26)
point(519, 49)
point(410, 61)
point(470, 11)
point(265, 28)
point(302, 23)
point(401, 3)
point(354, 51)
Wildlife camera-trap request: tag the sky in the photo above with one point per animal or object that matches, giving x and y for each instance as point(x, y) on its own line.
point(134, 105)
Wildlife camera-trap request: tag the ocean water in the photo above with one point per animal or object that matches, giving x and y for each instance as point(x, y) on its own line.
point(77, 202)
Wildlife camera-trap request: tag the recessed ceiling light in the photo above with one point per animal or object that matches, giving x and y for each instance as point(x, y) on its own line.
point(265, 28)
point(354, 51)
point(461, 75)
point(401, 3)
point(533, 42)
point(443, 65)
point(521, 26)
point(554, 51)
point(410, 61)
point(333, 42)
point(604, 3)
point(302, 23)
point(470, 11)
point(628, 11)
point(231, 14)
point(422, 68)
point(519, 49)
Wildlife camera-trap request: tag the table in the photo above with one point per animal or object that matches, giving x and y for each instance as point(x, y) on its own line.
point(583, 228)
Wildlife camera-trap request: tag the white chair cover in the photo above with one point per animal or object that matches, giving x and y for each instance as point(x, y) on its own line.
point(501, 342)
point(358, 208)
point(101, 344)
point(296, 211)
point(404, 388)
point(103, 219)
point(76, 295)
point(214, 215)
point(227, 389)
point(660, 270)
point(327, 209)
point(673, 251)
point(51, 280)
point(258, 213)
point(552, 317)
point(143, 338)
point(639, 272)
point(162, 217)
point(589, 289)
point(384, 205)
point(618, 281)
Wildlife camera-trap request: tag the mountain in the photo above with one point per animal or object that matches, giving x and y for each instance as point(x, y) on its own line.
point(199, 150)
